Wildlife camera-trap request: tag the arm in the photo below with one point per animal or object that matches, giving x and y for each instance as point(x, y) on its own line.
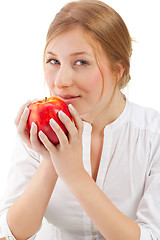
point(112, 223)
point(25, 215)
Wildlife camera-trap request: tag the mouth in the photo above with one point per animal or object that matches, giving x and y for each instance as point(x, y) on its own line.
point(69, 98)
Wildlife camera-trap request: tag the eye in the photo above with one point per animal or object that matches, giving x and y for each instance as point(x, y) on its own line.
point(81, 62)
point(53, 61)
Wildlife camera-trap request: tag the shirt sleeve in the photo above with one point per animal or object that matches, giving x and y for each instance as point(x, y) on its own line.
point(24, 164)
point(147, 234)
point(148, 213)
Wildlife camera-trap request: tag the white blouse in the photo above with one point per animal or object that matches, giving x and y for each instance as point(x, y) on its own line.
point(129, 175)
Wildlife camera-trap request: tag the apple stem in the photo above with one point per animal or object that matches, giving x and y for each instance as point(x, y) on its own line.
point(45, 99)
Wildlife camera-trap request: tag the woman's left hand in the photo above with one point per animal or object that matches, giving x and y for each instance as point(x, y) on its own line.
point(67, 155)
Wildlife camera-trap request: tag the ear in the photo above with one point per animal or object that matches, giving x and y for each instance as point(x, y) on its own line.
point(119, 70)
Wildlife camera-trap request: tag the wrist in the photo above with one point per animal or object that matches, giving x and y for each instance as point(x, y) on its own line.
point(48, 169)
point(76, 179)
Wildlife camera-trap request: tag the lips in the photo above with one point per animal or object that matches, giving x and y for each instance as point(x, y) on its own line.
point(68, 96)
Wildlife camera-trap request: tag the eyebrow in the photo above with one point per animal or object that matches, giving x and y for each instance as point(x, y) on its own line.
point(73, 54)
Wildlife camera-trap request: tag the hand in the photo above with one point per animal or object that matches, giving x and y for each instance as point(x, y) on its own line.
point(31, 140)
point(67, 155)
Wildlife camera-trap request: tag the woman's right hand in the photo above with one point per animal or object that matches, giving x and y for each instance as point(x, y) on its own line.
point(30, 139)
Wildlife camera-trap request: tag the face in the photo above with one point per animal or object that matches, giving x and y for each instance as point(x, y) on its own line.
point(73, 74)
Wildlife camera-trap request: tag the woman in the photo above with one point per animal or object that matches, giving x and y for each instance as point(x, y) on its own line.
point(103, 181)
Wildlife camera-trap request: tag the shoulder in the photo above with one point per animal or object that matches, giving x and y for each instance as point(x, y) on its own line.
point(144, 118)
point(145, 122)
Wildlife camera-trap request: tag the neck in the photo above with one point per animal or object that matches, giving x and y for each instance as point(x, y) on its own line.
point(107, 115)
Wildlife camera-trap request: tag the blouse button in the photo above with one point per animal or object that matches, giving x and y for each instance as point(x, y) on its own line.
point(93, 230)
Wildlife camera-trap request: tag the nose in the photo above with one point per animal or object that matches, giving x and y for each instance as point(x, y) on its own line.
point(63, 77)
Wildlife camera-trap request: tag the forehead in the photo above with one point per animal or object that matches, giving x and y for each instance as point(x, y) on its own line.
point(72, 40)
point(77, 40)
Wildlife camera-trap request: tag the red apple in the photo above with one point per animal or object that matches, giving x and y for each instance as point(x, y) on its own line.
point(42, 111)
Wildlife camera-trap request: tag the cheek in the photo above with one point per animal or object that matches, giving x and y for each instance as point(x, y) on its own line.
point(49, 77)
point(92, 81)
point(109, 81)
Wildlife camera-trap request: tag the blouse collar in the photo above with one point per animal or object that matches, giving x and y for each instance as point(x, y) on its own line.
point(87, 127)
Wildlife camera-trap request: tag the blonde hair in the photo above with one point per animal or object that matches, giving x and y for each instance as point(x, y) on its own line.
point(103, 24)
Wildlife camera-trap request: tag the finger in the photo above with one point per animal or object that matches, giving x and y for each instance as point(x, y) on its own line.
point(17, 119)
point(35, 142)
point(23, 120)
point(48, 145)
point(77, 120)
point(70, 126)
point(59, 132)
point(33, 135)
point(21, 128)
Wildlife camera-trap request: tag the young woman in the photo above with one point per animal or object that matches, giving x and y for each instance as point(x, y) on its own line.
point(103, 181)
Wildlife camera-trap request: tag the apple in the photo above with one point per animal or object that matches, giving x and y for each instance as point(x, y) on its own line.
point(42, 111)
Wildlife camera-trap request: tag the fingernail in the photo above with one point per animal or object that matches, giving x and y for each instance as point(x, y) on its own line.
point(28, 101)
point(41, 134)
point(71, 107)
point(25, 110)
point(52, 121)
point(61, 113)
point(33, 126)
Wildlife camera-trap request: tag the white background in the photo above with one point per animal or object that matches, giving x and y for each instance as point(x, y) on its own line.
point(23, 28)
